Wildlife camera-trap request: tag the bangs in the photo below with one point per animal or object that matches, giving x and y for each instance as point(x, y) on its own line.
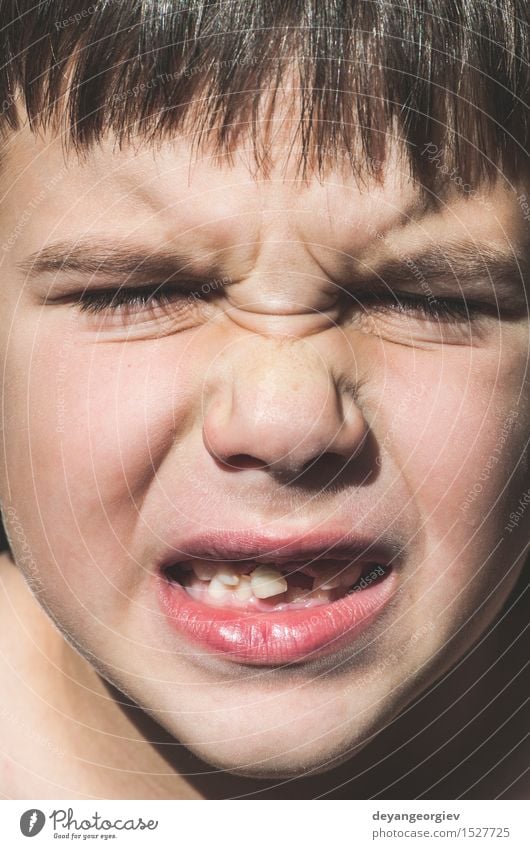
point(447, 78)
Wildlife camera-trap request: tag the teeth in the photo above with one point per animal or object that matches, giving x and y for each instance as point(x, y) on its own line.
point(227, 576)
point(267, 582)
point(295, 594)
point(243, 591)
point(216, 590)
point(352, 574)
point(227, 583)
point(320, 596)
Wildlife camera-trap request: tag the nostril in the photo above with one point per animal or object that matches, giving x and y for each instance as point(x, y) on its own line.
point(244, 461)
point(329, 460)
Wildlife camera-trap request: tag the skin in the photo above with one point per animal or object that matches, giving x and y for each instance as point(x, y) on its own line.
point(117, 438)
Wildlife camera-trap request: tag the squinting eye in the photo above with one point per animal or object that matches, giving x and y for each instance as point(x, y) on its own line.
point(423, 307)
point(128, 301)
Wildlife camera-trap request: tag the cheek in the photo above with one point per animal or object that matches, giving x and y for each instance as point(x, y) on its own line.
point(454, 419)
point(458, 442)
point(101, 419)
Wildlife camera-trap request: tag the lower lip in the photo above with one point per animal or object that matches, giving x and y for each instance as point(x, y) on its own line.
point(275, 637)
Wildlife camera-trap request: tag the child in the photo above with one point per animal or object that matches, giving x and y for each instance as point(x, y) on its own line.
point(265, 399)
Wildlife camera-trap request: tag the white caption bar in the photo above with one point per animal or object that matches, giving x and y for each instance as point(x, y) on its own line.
point(265, 824)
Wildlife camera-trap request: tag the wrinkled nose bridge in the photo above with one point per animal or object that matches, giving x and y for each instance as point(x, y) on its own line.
point(276, 403)
point(287, 324)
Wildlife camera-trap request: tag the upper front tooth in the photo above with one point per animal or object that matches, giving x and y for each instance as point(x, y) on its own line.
point(266, 582)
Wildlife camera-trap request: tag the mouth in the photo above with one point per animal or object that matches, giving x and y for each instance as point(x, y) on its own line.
point(283, 606)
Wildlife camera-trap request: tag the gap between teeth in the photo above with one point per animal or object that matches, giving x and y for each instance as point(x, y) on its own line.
point(265, 582)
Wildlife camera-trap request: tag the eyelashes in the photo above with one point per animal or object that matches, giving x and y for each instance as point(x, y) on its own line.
point(135, 300)
point(128, 302)
point(425, 307)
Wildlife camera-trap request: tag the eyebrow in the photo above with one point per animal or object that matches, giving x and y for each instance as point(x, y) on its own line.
point(474, 266)
point(88, 258)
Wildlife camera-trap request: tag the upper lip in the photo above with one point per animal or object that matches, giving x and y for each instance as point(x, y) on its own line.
point(249, 545)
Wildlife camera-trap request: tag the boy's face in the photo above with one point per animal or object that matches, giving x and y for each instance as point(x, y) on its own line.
point(278, 412)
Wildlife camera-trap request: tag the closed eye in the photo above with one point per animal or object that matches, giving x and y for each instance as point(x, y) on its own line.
point(423, 307)
point(138, 299)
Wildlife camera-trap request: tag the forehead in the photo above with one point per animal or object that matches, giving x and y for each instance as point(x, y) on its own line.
point(160, 192)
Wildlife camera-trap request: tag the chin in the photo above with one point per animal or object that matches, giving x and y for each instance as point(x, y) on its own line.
point(272, 765)
point(271, 755)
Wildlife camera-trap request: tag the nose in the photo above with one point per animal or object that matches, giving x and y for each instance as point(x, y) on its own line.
point(277, 406)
